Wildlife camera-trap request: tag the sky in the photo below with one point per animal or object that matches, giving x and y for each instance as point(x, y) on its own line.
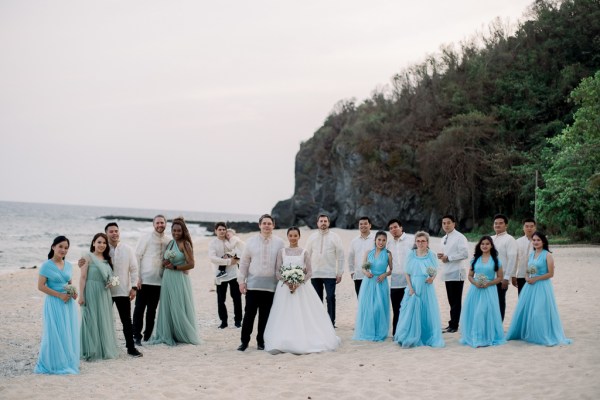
point(196, 105)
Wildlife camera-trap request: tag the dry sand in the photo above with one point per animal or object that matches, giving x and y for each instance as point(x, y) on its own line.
point(358, 370)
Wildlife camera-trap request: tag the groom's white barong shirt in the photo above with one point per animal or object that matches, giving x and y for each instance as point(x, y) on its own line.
point(149, 252)
point(125, 266)
point(326, 254)
point(456, 247)
point(507, 253)
point(524, 247)
point(400, 248)
point(356, 257)
point(257, 265)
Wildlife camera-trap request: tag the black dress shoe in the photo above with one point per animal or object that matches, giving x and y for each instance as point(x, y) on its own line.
point(242, 347)
point(134, 352)
point(223, 325)
point(238, 324)
point(260, 347)
point(138, 342)
point(451, 330)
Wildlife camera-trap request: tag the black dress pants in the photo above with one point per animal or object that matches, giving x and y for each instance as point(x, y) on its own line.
point(146, 301)
point(236, 296)
point(124, 308)
point(329, 284)
point(396, 296)
point(257, 301)
point(502, 299)
point(454, 291)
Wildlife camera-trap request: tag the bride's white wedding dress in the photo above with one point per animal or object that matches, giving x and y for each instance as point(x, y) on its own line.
point(298, 322)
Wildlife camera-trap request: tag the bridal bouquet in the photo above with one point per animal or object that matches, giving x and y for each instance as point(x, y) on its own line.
point(532, 270)
point(113, 281)
point(71, 290)
point(431, 272)
point(170, 255)
point(480, 279)
point(292, 275)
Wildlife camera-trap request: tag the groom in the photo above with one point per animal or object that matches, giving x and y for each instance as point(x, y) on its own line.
point(257, 281)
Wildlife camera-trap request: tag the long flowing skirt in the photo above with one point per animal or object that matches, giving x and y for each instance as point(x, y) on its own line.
point(298, 323)
point(480, 320)
point(419, 323)
point(176, 321)
point(98, 335)
point(59, 351)
point(373, 314)
point(536, 318)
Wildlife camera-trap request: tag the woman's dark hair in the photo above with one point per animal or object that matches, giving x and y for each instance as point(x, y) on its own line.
point(544, 240)
point(56, 241)
point(186, 234)
point(106, 252)
point(479, 253)
point(293, 228)
point(380, 233)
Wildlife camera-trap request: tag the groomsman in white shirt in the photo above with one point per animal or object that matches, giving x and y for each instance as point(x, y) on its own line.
point(507, 253)
point(327, 261)
point(455, 250)
point(523, 250)
point(256, 278)
point(360, 246)
point(125, 266)
point(223, 253)
point(149, 252)
point(400, 246)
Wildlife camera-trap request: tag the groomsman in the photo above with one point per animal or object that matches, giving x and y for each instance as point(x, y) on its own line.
point(256, 279)
point(327, 261)
point(507, 253)
point(149, 253)
point(360, 246)
point(222, 252)
point(125, 266)
point(400, 245)
point(455, 250)
point(523, 250)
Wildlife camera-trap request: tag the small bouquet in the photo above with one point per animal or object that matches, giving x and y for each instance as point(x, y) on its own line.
point(531, 270)
point(367, 266)
point(231, 254)
point(170, 255)
point(113, 281)
point(480, 279)
point(292, 275)
point(71, 290)
point(431, 272)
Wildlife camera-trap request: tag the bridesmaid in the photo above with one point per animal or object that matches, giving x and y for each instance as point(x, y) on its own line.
point(176, 321)
point(373, 315)
point(98, 336)
point(480, 320)
point(419, 323)
point(59, 351)
point(536, 318)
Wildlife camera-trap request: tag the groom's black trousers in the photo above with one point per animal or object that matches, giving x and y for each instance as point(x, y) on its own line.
point(256, 301)
point(123, 304)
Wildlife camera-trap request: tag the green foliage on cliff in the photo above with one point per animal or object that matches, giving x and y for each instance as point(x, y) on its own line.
point(466, 129)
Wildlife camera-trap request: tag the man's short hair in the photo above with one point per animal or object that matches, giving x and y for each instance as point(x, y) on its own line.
point(218, 224)
point(394, 221)
point(109, 225)
point(450, 217)
point(323, 216)
point(266, 216)
point(365, 218)
point(526, 220)
point(159, 216)
point(501, 216)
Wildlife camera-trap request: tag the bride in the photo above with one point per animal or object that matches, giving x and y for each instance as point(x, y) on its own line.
point(298, 323)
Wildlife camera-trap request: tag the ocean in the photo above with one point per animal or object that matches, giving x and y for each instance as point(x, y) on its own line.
point(30, 228)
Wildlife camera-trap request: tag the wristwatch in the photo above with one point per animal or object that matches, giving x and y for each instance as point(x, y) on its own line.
point(175, 267)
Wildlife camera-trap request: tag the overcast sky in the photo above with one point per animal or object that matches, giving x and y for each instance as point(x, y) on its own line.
point(195, 105)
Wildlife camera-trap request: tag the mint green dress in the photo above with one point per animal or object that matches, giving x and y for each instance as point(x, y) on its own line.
point(176, 322)
point(98, 336)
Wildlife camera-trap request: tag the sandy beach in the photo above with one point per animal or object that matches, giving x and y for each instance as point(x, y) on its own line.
point(357, 370)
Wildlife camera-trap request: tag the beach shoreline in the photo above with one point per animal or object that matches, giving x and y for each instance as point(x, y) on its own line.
point(356, 370)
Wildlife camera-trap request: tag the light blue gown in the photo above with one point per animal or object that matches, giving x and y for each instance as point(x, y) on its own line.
point(373, 315)
point(59, 351)
point(419, 323)
point(536, 318)
point(176, 321)
point(480, 320)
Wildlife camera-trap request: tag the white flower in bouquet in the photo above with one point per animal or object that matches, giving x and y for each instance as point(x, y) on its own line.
point(531, 270)
point(71, 290)
point(431, 272)
point(481, 279)
point(231, 254)
point(170, 255)
point(292, 275)
point(113, 281)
